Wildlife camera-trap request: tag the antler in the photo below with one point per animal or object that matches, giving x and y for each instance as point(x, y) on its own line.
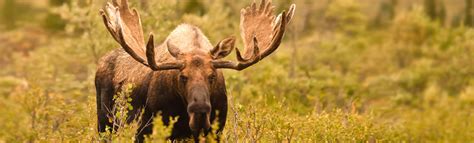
point(126, 28)
point(259, 29)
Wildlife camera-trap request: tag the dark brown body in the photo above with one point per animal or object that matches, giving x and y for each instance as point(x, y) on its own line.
point(154, 91)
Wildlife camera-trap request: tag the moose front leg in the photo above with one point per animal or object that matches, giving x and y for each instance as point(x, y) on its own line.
point(104, 98)
point(146, 126)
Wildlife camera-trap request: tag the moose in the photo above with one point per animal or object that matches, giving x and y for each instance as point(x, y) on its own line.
point(182, 76)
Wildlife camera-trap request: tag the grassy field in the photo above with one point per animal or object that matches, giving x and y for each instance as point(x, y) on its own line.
point(344, 73)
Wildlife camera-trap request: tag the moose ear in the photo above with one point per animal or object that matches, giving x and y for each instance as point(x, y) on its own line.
point(174, 51)
point(223, 48)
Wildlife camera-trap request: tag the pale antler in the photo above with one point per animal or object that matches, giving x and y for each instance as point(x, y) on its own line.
point(259, 29)
point(126, 28)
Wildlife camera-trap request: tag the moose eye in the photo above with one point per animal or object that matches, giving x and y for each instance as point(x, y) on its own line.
point(183, 78)
point(211, 78)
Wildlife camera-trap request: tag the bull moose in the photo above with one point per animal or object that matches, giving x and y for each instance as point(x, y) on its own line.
point(181, 77)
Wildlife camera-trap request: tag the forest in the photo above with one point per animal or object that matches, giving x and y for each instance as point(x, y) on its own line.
point(346, 71)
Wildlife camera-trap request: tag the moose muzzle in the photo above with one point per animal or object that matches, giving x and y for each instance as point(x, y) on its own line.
point(199, 113)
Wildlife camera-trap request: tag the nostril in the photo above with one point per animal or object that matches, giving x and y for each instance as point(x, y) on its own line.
point(199, 108)
point(201, 114)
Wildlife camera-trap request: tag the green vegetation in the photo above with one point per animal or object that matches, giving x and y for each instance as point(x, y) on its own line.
point(342, 74)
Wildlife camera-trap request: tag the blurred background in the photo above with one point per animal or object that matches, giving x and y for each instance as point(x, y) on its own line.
point(348, 70)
